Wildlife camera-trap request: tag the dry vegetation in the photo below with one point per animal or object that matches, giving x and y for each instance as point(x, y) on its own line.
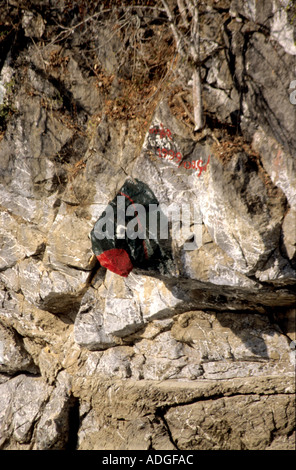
point(139, 35)
point(230, 145)
point(146, 53)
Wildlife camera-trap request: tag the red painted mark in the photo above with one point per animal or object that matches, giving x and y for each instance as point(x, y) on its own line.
point(163, 153)
point(162, 132)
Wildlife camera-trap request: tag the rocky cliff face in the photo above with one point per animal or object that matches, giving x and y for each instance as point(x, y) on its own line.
point(198, 356)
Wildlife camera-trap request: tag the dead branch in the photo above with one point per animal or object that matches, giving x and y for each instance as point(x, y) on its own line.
point(180, 39)
point(197, 100)
point(183, 13)
point(190, 48)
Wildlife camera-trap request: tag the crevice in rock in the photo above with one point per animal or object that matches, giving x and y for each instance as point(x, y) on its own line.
point(231, 60)
point(11, 376)
point(14, 45)
point(278, 320)
point(73, 423)
point(77, 268)
point(94, 270)
point(39, 254)
point(161, 411)
point(213, 123)
point(160, 414)
point(5, 46)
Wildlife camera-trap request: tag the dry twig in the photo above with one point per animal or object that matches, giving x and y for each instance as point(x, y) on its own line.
point(190, 48)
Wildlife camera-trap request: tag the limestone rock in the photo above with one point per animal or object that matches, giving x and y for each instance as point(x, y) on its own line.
point(19, 240)
point(84, 92)
point(54, 422)
point(68, 244)
point(26, 169)
point(240, 352)
point(13, 355)
point(54, 291)
point(122, 313)
point(251, 429)
point(89, 324)
point(227, 104)
point(22, 401)
point(279, 164)
point(172, 405)
point(256, 218)
point(277, 270)
point(281, 29)
point(200, 353)
point(211, 263)
point(144, 299)
point(289, 236)
point(199, 345)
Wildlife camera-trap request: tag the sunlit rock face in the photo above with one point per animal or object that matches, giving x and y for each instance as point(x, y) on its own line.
point(203, 341)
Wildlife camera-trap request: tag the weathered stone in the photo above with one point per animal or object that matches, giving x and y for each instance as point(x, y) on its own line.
point(144, 299)
point(256, 217)
point(273, 111)
point(289, 234)
point(84, 91)
point(13, 355)
point(19, 240)
point(89, 327)
point(137, 433)
point(6, 77)
point(277, 270)
point(227, 104)
point(273, 15)
point(200, 353)
point(68, 242)
point(22, 401)
point(280, 165)
point(219, 77)
point(27, 170)
point(116, 362)
point(54, 291)
point(156, 300)
point(211, 263)
point(165, 358)
point(37, 327)
point(53, 427)
point(240, 352)
point(255, 422)
point(201, 345)
point(168, 406)
point(122, 313)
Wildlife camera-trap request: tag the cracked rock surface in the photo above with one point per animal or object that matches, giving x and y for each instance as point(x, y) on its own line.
point(200, 353)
